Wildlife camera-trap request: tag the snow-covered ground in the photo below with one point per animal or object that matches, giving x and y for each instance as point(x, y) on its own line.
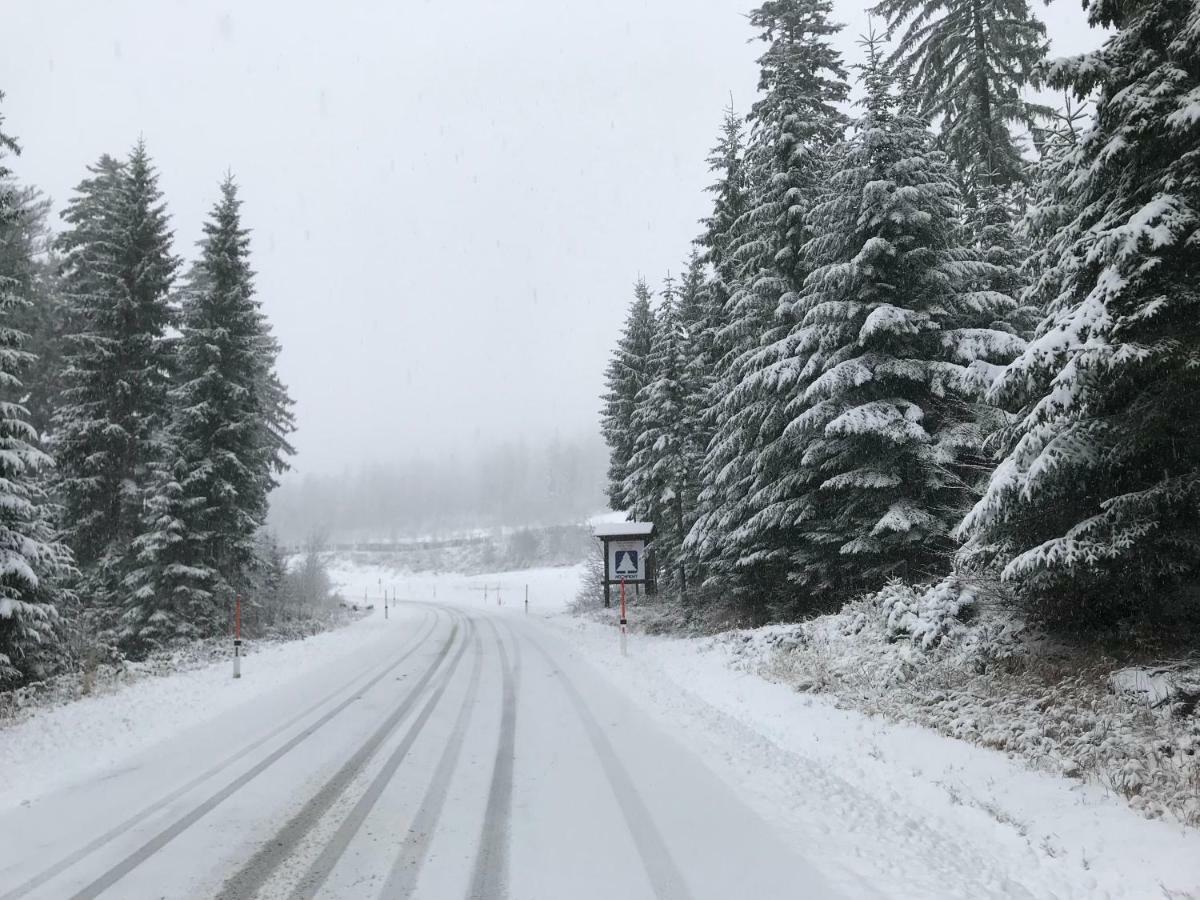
point(856, 806)
point(897, 804)
point(54, 748)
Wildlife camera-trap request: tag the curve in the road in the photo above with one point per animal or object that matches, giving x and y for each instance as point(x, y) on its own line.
point(489, 880)
point(312, 880)
point(664, 875)
point(119, 829)
point(135, 859)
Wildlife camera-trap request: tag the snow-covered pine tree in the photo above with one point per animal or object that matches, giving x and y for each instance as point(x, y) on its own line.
point(699, 355)
point(716, 270)
point(792, 124)
point(660, 476)
point(211, 496)
point(32, 563)
point(277, 420)
point(25, 241)
point(1053, 202)
point(625, 377)
point(270, 594)
point(118, 270)
point(728, 191)
point(27, 255)
point(866, 481)
point(969, 61)
point(1095, 510)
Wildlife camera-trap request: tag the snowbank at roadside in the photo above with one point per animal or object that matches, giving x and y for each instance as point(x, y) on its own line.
point(929, 814)
point(55, 747)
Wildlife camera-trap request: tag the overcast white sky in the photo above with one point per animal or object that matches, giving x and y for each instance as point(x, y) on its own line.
point(449, 200)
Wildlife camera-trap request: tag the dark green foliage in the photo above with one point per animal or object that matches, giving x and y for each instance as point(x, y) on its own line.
point(118, 269)
point(793, 124)
point(891, 342)
point(969, 61)
point(33, 565)
point(210, 492)
point(627, 374)
point(1095, 510)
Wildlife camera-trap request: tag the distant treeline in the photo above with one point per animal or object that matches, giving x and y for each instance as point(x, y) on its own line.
point(512, 484)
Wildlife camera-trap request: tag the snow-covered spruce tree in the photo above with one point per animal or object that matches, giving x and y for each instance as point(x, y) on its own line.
point(792, 124)
point(25, 254)
point(969, 61)
point(661, 472)
point(715, 267)
point(625, 377)
point(210, 497)
point(872, 472)
point(118, 269)
point(1095, 510)
point(1053, 202)
point(728, 191)
point(32, 563)
point(699, 353)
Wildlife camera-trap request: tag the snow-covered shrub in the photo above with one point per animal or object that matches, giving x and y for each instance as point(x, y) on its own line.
point(949, 658)
point(925, 616)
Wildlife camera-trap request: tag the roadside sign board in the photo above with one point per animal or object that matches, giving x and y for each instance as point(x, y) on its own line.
point(626, 560)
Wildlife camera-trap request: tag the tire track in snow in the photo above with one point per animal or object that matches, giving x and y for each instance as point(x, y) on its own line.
point(402, 880)
point(664, 875)
point(249, 880)
point(489, 880)
point(117, 830)
point(318, 872)
point(164, 837)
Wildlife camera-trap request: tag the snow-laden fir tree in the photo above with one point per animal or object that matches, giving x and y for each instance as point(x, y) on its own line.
point(1095, 509)
point(717, 271)
point(118, 269)
point(32, 563)
point(871, 474)
point(793, 123)
point(26, 255)
point(210, 497)
point(625, 377)
point(728, 191)
point(969, 61)
point(1053, 202)
point(697, 313)
point(661, 474)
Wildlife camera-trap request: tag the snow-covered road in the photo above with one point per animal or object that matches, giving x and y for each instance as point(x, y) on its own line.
point(462, 754)
point(466, 748)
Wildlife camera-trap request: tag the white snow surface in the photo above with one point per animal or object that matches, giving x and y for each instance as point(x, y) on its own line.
point(65, 745)
point(877, 809)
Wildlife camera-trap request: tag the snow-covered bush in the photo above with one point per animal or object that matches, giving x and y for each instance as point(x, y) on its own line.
point(926, 616)
point(951, 658)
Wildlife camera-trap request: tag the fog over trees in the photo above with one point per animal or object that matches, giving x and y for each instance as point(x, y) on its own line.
point(413, 495)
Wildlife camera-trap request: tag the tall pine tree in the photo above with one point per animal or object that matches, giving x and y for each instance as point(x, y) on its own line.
point(969, 61)
point(627, 374)
point(118, 272)
point(873, 470)
point(211, 494)
point(793, 123)
point(661, 474)
point(32, 564)
point(1095, 510)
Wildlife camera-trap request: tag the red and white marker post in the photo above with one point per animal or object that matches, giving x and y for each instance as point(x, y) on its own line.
point(624, 621)
point(237, 637)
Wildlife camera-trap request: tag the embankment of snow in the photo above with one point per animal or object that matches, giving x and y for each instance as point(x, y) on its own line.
point(54, 747)
point(938, 817)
